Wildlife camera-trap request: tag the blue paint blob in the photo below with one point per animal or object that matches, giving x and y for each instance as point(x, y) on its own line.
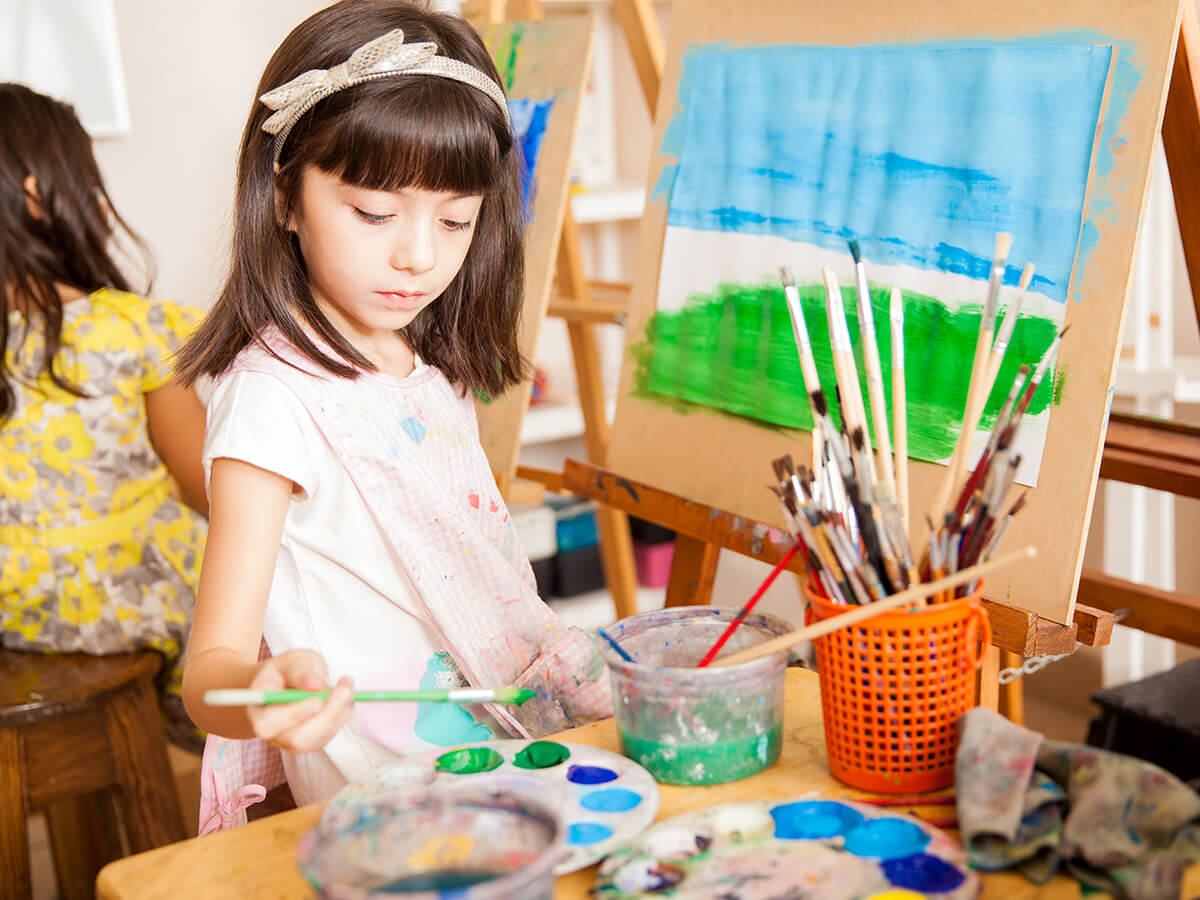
point(814, 819)
point(529, 119)
point(590, 775)
point(887, 838)
point(413, 428)
point(445, 724)
point(581, 834)
point(611, 800)
point(923, 873)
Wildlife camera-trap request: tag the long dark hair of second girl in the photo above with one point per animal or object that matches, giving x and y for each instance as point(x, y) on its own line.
point(61, 234)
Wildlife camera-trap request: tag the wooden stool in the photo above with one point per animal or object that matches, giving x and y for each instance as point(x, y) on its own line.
point(72, 727)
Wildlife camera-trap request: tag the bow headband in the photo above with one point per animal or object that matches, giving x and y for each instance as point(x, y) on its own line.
point(379, 58)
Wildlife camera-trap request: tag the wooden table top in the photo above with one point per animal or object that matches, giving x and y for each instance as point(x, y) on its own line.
point(257, 862)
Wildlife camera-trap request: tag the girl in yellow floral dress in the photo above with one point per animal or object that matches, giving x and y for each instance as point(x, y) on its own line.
point(96, 555)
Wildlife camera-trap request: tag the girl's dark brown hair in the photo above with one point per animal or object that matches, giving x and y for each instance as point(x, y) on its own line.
point(402, 131)
point(70, 240)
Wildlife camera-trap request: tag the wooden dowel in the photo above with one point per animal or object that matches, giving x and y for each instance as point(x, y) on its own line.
point(900, 408)
point(862, 613)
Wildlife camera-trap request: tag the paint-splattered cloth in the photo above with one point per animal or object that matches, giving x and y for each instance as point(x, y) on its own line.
point(1116, 823)
point(411, 449)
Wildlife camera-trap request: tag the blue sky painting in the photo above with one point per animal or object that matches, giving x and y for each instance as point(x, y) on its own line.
point(921, 153)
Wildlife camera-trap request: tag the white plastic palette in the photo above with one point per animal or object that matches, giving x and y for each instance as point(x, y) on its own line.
point(604, 799)
point(779, 850)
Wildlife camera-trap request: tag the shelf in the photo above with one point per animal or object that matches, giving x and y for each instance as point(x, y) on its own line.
point(556, 420)
point(613, 202)
point(1180, 383)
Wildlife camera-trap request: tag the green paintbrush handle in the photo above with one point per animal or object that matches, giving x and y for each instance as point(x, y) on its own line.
point(249, 697)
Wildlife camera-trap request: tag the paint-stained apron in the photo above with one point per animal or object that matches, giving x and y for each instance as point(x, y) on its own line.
point(436, 503)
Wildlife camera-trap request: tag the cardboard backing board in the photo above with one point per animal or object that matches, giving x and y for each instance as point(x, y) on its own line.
point(546, 60)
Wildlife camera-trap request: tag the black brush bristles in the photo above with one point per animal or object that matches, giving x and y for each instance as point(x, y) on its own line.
point(1019, 504)
point(854, 251)
point(820, 404)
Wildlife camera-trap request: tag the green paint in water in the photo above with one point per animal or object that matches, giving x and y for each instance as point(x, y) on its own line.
point(504, 42)
point(733, 350)
point(541, 755)
point(704, 763)
point(469, 760)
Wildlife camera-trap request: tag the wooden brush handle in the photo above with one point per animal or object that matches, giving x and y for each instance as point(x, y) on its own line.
point(862, 613)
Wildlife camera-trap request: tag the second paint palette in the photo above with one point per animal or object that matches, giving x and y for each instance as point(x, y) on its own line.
point(604, 799)
point(771, 850)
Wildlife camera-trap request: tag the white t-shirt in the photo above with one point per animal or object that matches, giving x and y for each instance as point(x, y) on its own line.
point(337, 591)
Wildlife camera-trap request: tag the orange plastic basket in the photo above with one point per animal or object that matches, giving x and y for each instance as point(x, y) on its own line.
point(893, 689)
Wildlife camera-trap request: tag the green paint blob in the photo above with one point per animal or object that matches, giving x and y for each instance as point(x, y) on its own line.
point(504, 41)
point(1060, 385)
point(469, 760)
point(692, 764)
point(541, 755)
point(733, 350)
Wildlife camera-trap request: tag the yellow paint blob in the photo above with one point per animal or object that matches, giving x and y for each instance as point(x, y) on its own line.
point(900, 894)
point(443, 852)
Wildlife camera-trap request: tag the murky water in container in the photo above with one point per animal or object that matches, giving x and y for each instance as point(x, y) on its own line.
point(697, 726)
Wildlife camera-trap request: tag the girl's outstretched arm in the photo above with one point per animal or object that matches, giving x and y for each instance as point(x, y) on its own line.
point(248, 508)
point(176, 419)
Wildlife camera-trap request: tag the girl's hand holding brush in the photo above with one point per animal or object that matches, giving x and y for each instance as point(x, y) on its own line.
point(310, 724)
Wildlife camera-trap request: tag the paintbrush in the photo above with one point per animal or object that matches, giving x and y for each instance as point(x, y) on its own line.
point(994, 540)
point(869, 519)
point(745, 610)
point(807, 517)
point(511, 696)
point(1003, 425)
point(983, 346)
point(818, 568)
point(879, 417)
point(900, 407)
point(839, 456)
point(1002, 432)
point(1039, 373)
point(808, 365)
point(896, 601)
point(850, 394)
point(1004, 335)
point(612, 643)
point(802, 522)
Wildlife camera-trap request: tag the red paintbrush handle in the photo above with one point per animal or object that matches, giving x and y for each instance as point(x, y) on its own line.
point(745, 610)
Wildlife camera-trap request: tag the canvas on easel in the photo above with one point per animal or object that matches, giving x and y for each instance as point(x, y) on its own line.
point(544, 65)
point(921, 133)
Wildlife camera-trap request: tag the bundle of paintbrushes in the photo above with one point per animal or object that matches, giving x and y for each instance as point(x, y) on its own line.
point(972, 510)
point(849, 509)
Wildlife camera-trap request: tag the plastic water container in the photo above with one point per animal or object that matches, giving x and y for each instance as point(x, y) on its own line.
point(471, 843)
point(697, 726)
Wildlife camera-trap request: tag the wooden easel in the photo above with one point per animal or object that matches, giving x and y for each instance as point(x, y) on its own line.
point(576, 304)
point(1151, 453)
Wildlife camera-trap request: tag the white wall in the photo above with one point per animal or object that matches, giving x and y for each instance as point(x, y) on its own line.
point(191, 71)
